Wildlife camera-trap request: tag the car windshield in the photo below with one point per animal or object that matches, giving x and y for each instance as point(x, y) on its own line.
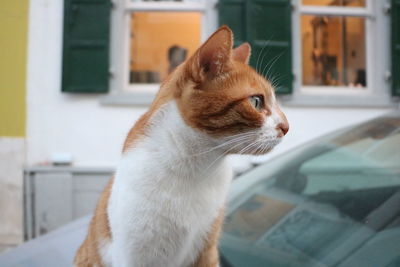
point(335, 202)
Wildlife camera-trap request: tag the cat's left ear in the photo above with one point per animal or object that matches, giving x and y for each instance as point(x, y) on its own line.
point(242, 53)
point(214, 56)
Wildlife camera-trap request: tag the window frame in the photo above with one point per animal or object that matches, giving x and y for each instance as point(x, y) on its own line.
point(377, 92)
point(122, 92)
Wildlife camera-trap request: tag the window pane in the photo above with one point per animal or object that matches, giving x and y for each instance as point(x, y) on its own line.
point(167, 1)
point(350, 3)
point(160, 41)
point(334, 51)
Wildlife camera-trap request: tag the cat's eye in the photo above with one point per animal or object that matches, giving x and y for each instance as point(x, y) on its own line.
point(257, 102)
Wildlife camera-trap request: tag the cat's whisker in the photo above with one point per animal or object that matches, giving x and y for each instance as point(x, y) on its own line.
point(262, 60)
point(232, 139)
point(230, 142)
point(271, 64)
point(245, 133)
point(259, 55)
point(261, 147)
point(243, 150)
point(265, 148)
point(270, 74)
point(222, 155)
point(276, 79)
point(267, 65)
point(266, 53)
point(253, 148)
point(247, 147)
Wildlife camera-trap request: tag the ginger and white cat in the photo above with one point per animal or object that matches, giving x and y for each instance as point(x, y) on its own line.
point(164, 207)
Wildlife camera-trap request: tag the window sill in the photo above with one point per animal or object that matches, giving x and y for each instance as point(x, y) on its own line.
point(128, 99)
point(339, 101)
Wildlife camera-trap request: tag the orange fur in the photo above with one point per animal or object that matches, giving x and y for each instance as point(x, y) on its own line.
point(209, 255)
point(211, 90)
point(99, 231)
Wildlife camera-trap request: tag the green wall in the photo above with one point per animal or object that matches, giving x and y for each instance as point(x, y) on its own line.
point(13, 46)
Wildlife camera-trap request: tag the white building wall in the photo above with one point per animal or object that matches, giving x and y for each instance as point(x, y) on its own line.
point(93, 133)
point(12, 151)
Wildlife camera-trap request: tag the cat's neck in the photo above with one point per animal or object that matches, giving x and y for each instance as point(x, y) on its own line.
point(174, 145)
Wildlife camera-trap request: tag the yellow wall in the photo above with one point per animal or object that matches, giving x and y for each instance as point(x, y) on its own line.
point(13, 45)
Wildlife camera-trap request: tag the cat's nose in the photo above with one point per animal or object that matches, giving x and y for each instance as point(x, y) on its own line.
point(282, 128)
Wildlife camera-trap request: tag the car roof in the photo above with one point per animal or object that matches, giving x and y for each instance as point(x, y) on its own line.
point(57, 248)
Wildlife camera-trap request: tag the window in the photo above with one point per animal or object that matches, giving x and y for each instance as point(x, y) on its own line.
point(334, 44)
point(346, 3)
point(341, 53)
point(333, 51)
point(164, 41)
point(151, 38)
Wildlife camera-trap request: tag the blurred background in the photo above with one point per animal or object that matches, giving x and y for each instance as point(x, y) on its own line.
point(76, 74)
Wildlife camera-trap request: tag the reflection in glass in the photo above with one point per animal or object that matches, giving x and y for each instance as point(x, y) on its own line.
point(333, 51)
point(331, 203)
point(344, 3)
point(160, 41)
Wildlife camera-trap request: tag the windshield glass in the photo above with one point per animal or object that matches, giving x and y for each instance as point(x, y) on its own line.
point(335, 202)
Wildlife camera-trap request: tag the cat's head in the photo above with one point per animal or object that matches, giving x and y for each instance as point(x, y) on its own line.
point(218, 93)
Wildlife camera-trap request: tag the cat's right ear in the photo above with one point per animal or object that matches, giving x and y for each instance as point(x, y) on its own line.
point(242, 53)
point(213, 57)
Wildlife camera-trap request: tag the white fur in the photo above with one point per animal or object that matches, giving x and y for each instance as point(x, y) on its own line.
point(105, 252)
point(166, 195)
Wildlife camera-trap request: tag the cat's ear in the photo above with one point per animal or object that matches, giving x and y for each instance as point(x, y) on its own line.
point(212, 58)
point(242, 53)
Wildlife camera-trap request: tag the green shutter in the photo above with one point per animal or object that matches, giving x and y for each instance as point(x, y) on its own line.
point(233, 14)
point(266, 25)
point(86, 46)
point(396, 47)
point(269, 25)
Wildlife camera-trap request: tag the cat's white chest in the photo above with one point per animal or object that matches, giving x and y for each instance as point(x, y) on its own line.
point(165, 198)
